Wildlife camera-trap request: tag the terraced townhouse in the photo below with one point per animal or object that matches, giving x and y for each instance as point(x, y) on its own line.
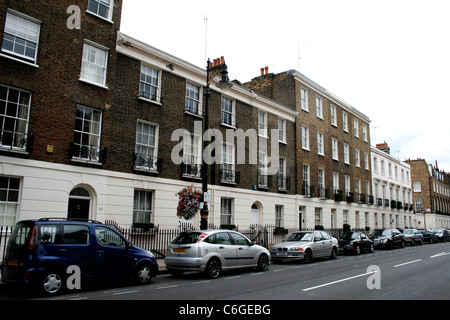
point(96, 124)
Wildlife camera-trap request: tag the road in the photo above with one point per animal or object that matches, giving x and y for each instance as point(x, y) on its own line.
point(418, 273)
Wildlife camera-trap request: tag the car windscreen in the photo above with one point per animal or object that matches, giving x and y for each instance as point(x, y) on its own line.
point(350, 236)
point(301, 236)
point(186, 238)
point(408, 232)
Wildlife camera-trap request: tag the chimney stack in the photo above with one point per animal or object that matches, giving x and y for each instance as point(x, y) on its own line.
point(384, 147)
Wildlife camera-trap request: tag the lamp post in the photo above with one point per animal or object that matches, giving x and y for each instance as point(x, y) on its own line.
point(224, 84)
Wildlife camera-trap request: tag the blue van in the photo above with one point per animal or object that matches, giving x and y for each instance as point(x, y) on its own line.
point(40, 252)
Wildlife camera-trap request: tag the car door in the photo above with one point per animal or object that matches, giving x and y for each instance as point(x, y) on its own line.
point(246, 251)
point(226, 249)
point(113, 258)
point(397, 237)
point(364, 242)
point(320, 245)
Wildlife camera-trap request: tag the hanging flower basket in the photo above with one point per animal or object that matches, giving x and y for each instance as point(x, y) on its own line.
point(188, 202)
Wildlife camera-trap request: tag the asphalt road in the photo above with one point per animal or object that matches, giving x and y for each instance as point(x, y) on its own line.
point(418, 273)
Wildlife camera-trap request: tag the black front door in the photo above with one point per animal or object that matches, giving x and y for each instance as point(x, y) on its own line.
point(78, 209)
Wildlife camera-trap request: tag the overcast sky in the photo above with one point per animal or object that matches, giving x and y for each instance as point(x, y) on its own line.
point(390, 59)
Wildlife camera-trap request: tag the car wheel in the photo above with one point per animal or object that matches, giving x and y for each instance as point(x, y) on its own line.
point(52, 283)
point(333, 253)
point(263, 263)
point(213, 268)
point(143, 274)
point(307, 256)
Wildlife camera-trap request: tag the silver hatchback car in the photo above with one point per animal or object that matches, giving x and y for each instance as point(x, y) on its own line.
point(213, 251)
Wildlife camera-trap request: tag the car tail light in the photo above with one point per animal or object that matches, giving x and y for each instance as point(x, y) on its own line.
point(33, 239)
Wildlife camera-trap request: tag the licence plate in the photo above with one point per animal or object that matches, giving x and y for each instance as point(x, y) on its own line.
point(13, 263)
point(179, 250)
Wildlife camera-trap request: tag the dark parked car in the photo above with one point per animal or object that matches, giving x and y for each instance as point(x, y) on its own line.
point(428, 235)
point(39, 254)
point(413, 236)
point(356, 242)
point(387, 238)
point(442, 235)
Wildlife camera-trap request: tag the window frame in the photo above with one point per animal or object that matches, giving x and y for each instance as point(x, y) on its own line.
point(157, 94)
point(86, 64)
point(15, 55)
point(110, 9)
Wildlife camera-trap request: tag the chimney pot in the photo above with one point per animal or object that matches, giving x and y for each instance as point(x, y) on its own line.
point(267, 70)
point(262, 71)
point(222, 60)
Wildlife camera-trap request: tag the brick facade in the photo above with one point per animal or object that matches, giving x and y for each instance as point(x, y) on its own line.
point(286, 88)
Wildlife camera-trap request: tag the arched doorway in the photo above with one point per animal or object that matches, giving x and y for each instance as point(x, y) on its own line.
point(79, 204)
point(254, 217)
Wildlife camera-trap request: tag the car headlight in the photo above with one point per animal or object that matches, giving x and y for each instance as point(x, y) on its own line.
point(296, 249)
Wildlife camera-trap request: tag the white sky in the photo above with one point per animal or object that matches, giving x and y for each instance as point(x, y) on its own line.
point(390, 59)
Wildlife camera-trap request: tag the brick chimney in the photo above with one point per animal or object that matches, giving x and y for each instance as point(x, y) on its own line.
point(384, 147)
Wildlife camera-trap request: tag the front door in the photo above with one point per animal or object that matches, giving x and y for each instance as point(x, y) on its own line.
point(79, 204)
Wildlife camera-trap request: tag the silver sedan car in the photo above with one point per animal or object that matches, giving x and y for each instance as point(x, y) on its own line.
point(213, 251)
point(305, 245)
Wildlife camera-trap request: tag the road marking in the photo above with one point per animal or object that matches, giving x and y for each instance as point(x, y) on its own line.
point(124, 292)
point(234, 277)
point(201, 282)
point(167, 287)
point(278, 270)
point(440, 254)
point(338, 281)
point(404, 264)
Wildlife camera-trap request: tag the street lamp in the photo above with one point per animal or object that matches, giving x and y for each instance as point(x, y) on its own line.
point(224, 84)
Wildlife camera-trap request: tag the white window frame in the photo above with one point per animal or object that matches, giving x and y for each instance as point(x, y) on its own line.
point(346, 153)
point(262, 124)
point(226, 210)
point(364, 132)
point(335, 182)
point(26, 36)
point(193, 98)
point(145, 146)
point(357, 158)
point(345, 121)
point(9, 201)
point(334, 149)
point(100, 53)
point(305, 138)
point(321, 182)
point(94, 134)
point(356, 127)
point(279, 216)
point(149, 74)
point(304, 99)
point(109, 5)
point(281, 130)
point(333, 114)
point(18, 124)
point(143, 209)
point(319, 107)
point(225, 105)
point(320, 144)
point(228, 162)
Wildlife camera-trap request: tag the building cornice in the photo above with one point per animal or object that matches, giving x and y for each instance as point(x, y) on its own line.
point(148, 54)
point(329, 95)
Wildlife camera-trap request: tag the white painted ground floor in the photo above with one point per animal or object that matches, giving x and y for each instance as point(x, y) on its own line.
point(31, 190)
